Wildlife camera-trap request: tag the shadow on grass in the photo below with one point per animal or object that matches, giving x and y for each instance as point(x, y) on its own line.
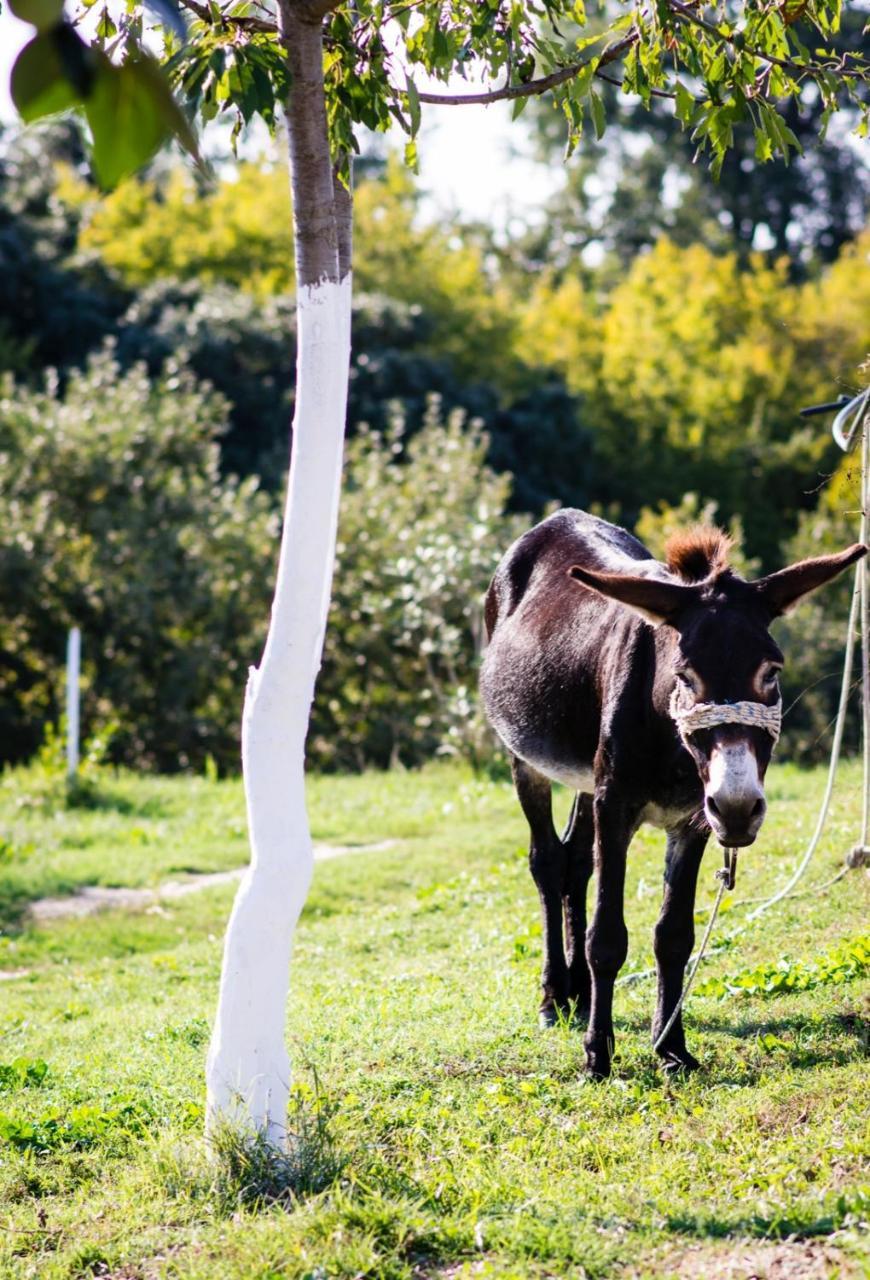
point(14, 902)
point(786, 1227)
point(95, 792)
point(87, 793)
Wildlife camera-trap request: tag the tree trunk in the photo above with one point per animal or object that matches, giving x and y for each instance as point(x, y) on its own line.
point(248, 1071)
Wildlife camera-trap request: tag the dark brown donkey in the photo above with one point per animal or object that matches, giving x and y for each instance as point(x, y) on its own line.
point(652, 691)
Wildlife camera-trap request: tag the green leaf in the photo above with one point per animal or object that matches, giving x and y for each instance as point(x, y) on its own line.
point(411, 155)
point(519, 106)
point(42, 14)
point(39, 84)
point(106, 27)
point(126, 125)
point(685, 106)
point(132, 112)
point(599, 120)
point(763, 145)
point(413, 105)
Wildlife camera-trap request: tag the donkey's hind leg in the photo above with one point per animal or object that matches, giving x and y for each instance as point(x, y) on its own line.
point(578, 841)
point(547, 858)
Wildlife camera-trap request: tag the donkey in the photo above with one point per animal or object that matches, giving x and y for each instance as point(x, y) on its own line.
point(652, 691)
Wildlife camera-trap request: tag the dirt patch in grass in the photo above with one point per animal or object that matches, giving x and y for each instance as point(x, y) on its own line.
point(98, 898)
point(785, 1260)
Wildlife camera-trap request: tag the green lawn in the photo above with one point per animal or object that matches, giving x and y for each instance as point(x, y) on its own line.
point(470, 1143)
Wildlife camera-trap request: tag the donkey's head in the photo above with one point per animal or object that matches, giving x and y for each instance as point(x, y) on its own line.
point(723, 676)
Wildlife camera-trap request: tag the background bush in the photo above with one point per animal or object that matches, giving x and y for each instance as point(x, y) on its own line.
point(422, 526)
point(114, 516)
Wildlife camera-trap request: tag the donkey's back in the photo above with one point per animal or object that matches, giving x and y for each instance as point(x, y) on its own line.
point(558, 653)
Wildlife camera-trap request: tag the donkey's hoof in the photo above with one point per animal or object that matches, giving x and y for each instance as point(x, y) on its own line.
point(679, 1062)
point(548, 1017)
point(598, 1063)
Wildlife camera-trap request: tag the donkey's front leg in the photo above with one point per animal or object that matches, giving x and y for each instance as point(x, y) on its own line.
point(607, 937)
point(673, 940)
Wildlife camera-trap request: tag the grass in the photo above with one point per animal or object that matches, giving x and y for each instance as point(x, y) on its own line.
point(441, 1134)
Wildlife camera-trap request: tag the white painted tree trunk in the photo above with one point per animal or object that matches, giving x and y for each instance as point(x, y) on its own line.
point(248, 1071)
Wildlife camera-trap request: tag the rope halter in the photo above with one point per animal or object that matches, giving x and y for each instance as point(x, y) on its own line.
point(706, 715)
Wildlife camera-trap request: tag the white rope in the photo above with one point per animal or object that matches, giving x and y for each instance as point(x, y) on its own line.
point(859, 598)
point(725, 876)
point(706, 715)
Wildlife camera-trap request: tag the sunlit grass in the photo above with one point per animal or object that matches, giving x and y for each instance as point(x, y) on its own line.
point(454, 1134)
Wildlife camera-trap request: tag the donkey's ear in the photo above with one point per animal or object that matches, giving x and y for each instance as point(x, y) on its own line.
point(782, 591)
point(650, 598)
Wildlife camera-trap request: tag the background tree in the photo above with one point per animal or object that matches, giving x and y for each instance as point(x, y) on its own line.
point(333, 68)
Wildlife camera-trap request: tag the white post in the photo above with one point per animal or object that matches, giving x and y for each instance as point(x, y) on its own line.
point(73, 667)
point(248, 1069)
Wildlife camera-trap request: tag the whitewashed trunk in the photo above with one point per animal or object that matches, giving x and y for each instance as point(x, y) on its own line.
point(248, 1070)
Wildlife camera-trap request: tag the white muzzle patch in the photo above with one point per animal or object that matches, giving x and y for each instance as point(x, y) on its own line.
point(734, 799)
point(734, 776)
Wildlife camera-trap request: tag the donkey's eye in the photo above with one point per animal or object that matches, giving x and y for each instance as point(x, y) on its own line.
point(770, 675)
point(688, 677)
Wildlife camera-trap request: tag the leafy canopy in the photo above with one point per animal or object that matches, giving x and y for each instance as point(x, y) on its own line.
point(720, 66)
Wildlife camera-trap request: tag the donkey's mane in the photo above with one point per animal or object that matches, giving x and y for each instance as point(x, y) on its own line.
point(693, 554)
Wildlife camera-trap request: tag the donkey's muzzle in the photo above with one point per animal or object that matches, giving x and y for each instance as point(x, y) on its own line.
point(736, 820)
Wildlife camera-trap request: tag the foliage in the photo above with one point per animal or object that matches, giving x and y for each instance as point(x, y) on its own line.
point(237, 231)
point(422, 527)
point(126, 100)
point(471, 1141)
point(720, 72)
point(641, 181)
point(697, 359)
point(51, 312)
point(843, 963)
point(703, 369)
point(114, 517)
point(684, 377)
point(815, 636)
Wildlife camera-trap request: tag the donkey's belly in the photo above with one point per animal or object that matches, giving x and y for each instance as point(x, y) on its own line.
point(573, 776)
point(537, 752)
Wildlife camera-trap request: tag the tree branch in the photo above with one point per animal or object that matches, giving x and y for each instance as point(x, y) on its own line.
point(655, 93)
point(244, 24)
point(310, 11)
point(533, 87)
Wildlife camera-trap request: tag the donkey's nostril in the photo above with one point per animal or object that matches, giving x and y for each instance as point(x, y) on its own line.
point(713, 806)
point(757, 809)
